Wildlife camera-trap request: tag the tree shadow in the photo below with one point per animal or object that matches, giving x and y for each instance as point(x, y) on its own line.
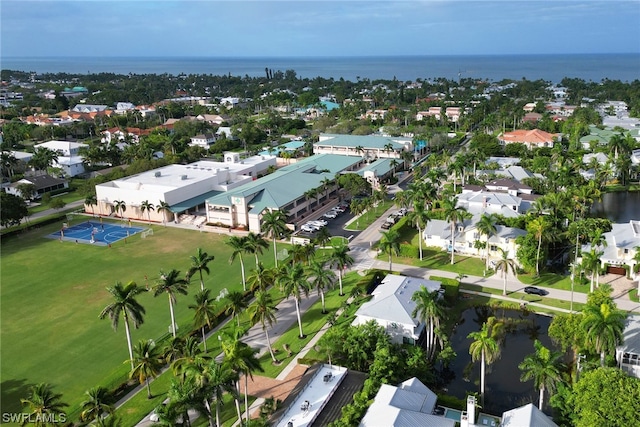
point(11, 393)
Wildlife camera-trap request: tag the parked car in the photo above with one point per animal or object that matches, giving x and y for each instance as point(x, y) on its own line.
point(391, 219)
point(386, 225)
point(318, 222)
point(338, 209)
point(536, 291)
point(309, 228)
point(402, 212)
point(330, 215)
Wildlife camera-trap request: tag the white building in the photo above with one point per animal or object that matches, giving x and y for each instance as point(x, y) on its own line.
point(628, 354)
point(69, 159)
point(182, 187)
point(391, 307)
point(623, 242)
point(369, 147)
point(203, 140)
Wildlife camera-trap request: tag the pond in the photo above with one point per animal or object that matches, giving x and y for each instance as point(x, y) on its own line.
point(503, 389)
point(619, 207)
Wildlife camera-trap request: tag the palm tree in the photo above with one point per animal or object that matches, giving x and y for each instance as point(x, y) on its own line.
point(340, 258)
point(147, 362)
point(263, 311)
point(321, 279)
point(261, 278)
point(322, 237)
point(126, 304)
point(183, 396)
point(293, 281)
point(241, 359)
point(484, 347)
point(604, 326)
point(274, 224)
point(255, 245)
point(147, 206)
point(505, 264)
point(487, 227)
point(430, 311)
point(164, 208)
point(238, 246)
point(538, 227)
point(91, 200)
point(98, 401)
point(591, 263)
point(219, 379)
point(43, 404)
point(419, 217)
point(121, 206)
point(390, 244)
point(235, 304)
point(204, 313)
point(453, 214)
point(170, 284)
point(174, 350)
point(199, 263)
point(544, 368)
point(192, 356)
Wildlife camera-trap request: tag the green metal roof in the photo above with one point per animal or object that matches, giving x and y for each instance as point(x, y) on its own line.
point(288, 183)
point(193, 202)
point(380, 166)
point(366, 141)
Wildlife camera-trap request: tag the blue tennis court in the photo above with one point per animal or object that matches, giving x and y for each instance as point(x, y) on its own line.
point(94, 233)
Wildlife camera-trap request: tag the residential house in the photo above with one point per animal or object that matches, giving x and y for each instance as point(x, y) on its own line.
point(628, 353)
point(204, 140)
point(69, 158)
point(623, 243)
point(530, 138)
point(589, 159)
point(410, 404)
point(526, 416)
point(391, 307)
point(42, 184)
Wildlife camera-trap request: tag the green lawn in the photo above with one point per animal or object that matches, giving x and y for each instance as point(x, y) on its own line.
point(52, 293)
point(369, 217)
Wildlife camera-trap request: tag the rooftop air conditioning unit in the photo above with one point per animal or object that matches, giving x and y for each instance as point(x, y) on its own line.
point(183, 177)
point(158, 174)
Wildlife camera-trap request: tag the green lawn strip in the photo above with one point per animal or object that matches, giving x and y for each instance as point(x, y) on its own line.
point(66, 198)
point(52, 293)
point(633, 295)
point(139, 406)
point(555, 281)
point(439, 260)
point(369, 217)
point(551, 302)
point(312, 321)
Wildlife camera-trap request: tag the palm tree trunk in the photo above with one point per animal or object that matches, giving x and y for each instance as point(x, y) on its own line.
point(420, 242)
point(210, 415)
point(204, 340)
point(201, 281)
point(218, 424)
point(324, 309)
point(504, 288)
point(453, 241)
point(173, 320)
point(538, 255)
point(340, 281)
point(591, 285)
point(244, 282)
point(273, 356)
point(146, 380)
point(541, 398)
point(246, 398)
point(275, 251)
point(128, 332)
point(238, 401)
point(602, 358)
point(299, 319)
point(482, 378)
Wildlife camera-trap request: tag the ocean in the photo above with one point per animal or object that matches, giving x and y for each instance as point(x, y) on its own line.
point(553, 68)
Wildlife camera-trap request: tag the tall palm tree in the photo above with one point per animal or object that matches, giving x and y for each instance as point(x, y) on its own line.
point(430, 311)
point(199, 262)
point(183, 396)
point(454, 215)
point(274, 224)
point(121, 206)
point(340, 258)
point(261, 278)
point(125, 304)
point(485, 347)
point(544, 367)
point(591, 264)
point(323, 237)
point(255, 245)
point(148, 207)
point(91, 200)
point(217, 379)
point(538, 227)
point(321, 279)
point(147, 363)
point(192, 356)
point(487, 227)
point(390, 244)
point(419, 217)
point(43, 404)
point(241, 359)
point(263, 311)
point(293, 282)
point(98, 402)
point(238, 246)
point(174, 350)
point(204, 313)
point(505, 265)
point(235, 304)
point(604, 326)
point(164, 208)
point(171, 284)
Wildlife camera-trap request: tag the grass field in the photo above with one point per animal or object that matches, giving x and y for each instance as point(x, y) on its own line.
point(52, 293)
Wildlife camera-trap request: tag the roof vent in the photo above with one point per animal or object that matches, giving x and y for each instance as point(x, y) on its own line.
point(183, 177)
point(158, 174)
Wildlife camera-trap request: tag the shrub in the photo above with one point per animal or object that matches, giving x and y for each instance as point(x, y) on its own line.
point(451, 402)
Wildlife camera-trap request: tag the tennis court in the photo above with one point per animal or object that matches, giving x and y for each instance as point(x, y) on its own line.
point(94, 233)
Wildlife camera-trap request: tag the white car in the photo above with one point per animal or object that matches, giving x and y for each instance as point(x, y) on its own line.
point(337, 209)
point(330, 215)
point(318, 222)
point(308, 228)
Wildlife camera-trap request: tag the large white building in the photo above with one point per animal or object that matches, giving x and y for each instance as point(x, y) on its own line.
point(69, 158)
point(370, 147)
point(623, 243)
point(182, 187)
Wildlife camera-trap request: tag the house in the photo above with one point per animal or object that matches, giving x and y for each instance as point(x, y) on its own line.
point(69, 158)
point(628, 353)
point(204, 140)
point(369, 146)
point(530, 138)
point(589, 159)
point(409, 404)
point(526, 416)
point(391, 307)
point(213, 119)
point(89, 108)
point(623, 242)
point(42, 184)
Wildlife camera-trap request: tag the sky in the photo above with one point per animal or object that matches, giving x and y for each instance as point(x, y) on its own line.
point(216, 28)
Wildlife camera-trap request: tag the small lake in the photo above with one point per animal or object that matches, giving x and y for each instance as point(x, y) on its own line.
point(619, 207)
point(503, 389)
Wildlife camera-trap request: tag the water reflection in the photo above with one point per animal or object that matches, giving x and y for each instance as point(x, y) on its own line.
point(503, 389)
point(618, 207)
